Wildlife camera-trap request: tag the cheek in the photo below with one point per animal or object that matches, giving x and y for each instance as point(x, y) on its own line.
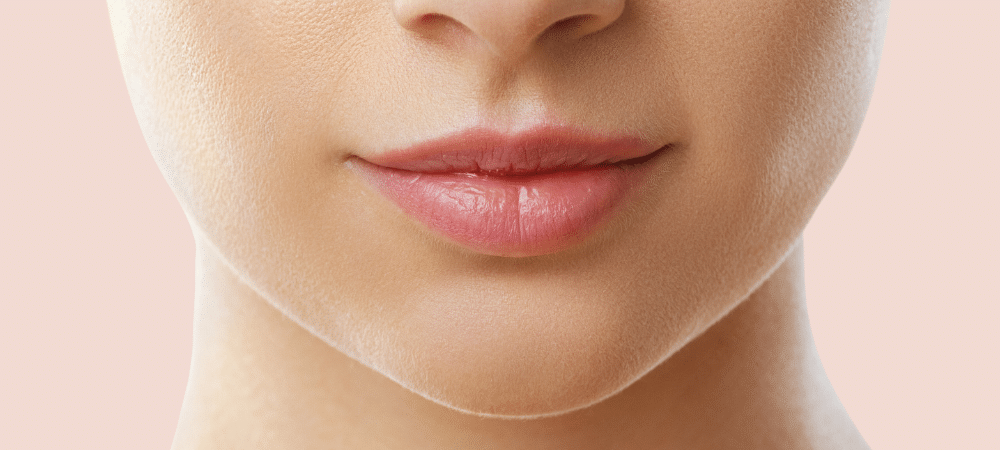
point(777, 92)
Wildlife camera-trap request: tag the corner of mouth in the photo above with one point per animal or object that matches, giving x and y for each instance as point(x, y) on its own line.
point(645, 158)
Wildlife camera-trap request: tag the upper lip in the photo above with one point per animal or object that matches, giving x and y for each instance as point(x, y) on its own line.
point(537, 150)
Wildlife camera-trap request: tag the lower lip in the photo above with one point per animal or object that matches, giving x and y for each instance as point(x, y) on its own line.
point(509, 215)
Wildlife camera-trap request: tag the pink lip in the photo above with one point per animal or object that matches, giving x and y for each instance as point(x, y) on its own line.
point(533, 193)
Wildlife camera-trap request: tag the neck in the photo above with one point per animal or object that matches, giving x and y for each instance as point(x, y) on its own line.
point(752, 380)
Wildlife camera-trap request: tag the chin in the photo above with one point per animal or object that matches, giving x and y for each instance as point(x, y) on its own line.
point(525, 392)
point(527, 408)
point(519, 367)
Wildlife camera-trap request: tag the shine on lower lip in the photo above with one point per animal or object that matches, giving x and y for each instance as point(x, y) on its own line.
point(534, 193)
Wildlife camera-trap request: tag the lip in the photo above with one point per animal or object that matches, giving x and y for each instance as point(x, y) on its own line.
point(525, 194)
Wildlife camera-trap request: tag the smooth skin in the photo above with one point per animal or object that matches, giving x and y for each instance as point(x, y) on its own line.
point(328, 319)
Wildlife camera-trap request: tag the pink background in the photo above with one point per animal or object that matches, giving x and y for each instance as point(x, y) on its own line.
point(98, 260)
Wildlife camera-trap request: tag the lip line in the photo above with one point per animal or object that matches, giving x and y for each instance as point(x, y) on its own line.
point(535, 151)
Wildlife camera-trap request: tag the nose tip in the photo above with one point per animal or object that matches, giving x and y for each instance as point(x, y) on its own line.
point(509, 28)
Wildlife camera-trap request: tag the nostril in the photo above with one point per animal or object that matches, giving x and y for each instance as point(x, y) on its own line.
point(429, 22)
point(509, 28)
point(572, 26)
point(437, 26)
point(571, 22)
point(430, 19)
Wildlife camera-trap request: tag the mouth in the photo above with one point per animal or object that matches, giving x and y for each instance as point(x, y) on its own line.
point(534, 193)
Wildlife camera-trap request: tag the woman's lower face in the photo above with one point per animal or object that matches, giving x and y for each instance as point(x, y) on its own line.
point(449, 192)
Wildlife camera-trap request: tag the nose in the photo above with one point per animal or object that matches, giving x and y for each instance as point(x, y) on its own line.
point(510, 28)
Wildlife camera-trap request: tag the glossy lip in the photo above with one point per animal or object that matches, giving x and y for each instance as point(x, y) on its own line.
point(526, 194)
